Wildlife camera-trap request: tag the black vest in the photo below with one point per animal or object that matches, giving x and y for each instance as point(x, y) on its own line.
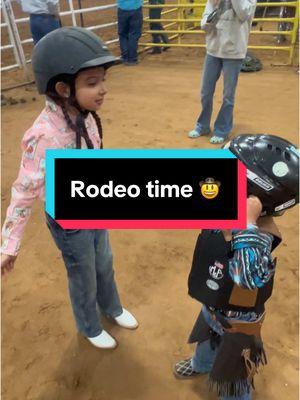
point(209, 280)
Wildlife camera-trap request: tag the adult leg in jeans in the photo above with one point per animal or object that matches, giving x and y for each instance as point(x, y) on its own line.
point(40, 25)
point(154, 26)
point(211, 74)
point(224, 121)
point(135, 31)
point(162, 36)
point(123, 32)
point(155, 13)
point(155, 37)
point(107, 292)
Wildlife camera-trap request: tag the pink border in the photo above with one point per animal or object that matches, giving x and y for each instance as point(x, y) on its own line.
point(240, 223)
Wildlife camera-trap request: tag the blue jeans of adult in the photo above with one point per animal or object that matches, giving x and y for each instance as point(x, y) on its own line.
point(155, 13)
point(204, 356)
point(130, 24)
point(158, 37)
point(41, 24)
point(89, 263)
point(213, 66)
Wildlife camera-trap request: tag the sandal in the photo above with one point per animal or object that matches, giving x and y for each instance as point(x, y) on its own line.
point(183, 369)
point(195, 134)
point(217, 140)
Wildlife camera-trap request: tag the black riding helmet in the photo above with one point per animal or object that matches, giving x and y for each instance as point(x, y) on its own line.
point(67, 51)
point(272, 170)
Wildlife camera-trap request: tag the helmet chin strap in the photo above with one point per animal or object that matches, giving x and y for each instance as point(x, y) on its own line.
point(81, 130)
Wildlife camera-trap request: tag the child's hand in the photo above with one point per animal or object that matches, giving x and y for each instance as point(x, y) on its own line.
point(254, 209)
point(7, 263)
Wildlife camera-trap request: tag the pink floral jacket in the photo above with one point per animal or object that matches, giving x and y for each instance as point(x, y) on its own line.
point(49, 131)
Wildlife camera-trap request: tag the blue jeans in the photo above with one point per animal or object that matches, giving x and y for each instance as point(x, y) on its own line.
point(130, 24)
point(41, 24)
point(155, 13)
point(213, 67)
point(88, 260)
point(204, 356)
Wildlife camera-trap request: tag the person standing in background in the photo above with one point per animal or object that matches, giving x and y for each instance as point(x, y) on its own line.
point(130, 22)
point(155, 13)
point(43, 16)
point(227, 24)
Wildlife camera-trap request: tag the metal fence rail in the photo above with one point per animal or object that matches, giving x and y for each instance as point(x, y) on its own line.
point(184, 27)
point(180, 20)
point(11, 23)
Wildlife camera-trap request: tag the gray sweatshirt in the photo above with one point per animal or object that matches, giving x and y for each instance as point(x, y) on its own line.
point(228, 36)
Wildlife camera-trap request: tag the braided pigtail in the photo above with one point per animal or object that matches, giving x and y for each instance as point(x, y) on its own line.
point(81, 128)
point(72, 126)
point(99, 126)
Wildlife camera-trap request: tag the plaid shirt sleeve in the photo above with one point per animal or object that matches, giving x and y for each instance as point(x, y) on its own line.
point(252, 264)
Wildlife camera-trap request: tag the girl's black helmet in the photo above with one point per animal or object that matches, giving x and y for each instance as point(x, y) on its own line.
point(272, 170)
point(67, 51)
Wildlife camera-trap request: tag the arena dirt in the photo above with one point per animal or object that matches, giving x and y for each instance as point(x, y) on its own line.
point(152, 105)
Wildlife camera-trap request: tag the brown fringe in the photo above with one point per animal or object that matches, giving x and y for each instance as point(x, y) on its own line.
point(240, 387)
point(227, 389)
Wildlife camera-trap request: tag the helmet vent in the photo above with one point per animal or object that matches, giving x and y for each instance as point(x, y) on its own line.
point(269, 146)
point(287, 156)
point(278, 150)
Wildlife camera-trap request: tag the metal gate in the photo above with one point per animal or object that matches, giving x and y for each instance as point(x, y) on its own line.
point(16, 44)
point(182, 26)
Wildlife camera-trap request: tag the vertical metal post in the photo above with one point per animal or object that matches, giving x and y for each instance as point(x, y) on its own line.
point(179, 15)
point(294, 34)
point(265, 10)
point(182, 16)
point(15, 33)
point(11, 36)
point(73, 14)
point(81, 16)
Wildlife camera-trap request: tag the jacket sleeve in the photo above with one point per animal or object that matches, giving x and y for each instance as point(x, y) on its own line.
point(244, 9)
point(28, 186)
point(207, 11)
point(252, 265)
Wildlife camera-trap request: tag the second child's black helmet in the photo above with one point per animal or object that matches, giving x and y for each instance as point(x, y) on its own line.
point(67, 51)
point(272, 170)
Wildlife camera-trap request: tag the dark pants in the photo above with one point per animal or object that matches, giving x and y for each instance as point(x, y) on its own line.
point(155, 13)
point(41, 24)
point(130, 24)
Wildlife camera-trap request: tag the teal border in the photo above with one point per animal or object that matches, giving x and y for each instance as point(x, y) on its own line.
point(52, 155)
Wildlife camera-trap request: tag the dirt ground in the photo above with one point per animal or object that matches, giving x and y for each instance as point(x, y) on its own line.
point(152, 105)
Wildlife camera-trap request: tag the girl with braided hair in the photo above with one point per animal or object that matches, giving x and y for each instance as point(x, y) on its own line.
point(69, 66)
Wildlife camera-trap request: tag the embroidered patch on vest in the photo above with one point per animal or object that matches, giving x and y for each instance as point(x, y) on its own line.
point(212, 284)
point(215, 270)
